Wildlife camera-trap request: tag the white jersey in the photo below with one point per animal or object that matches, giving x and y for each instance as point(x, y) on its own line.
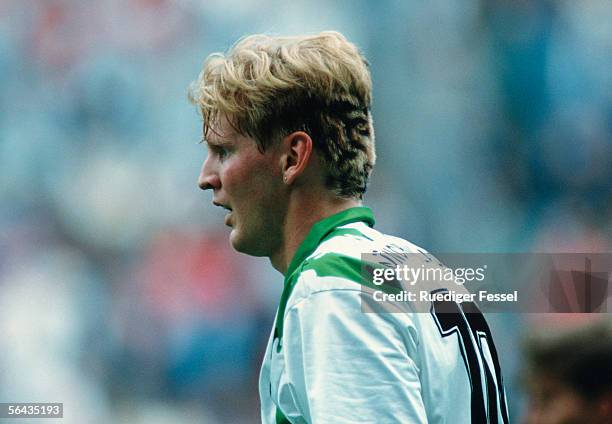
point(329, 362)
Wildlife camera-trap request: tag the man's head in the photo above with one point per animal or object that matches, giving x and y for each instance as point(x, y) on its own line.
point(283, 112)
point(569, 375)
point(268, 87)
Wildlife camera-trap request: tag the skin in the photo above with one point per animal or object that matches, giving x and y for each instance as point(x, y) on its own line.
point(554, 402)
point(275, 197)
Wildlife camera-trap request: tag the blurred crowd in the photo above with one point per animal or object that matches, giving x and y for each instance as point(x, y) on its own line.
point(119, 293)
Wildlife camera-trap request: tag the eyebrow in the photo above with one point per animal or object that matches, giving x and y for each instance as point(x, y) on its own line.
point(215, 141)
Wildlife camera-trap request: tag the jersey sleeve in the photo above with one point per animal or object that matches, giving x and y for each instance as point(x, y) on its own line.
point(348, 366)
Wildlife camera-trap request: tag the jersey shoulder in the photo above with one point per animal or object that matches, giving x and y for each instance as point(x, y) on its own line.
point(336, 264)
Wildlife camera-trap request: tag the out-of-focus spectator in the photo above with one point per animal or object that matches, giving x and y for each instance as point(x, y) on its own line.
point(569, 375)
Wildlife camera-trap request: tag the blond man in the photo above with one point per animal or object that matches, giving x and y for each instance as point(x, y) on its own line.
point(290, 138)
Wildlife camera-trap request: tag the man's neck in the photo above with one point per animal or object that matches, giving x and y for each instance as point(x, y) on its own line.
point(301, 216)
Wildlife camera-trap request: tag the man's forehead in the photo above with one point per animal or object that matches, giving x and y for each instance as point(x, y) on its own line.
point(220, 131)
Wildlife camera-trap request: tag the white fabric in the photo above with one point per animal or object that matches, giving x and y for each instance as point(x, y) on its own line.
point(341, 365)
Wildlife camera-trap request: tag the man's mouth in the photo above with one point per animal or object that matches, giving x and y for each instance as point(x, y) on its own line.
point(227, 208)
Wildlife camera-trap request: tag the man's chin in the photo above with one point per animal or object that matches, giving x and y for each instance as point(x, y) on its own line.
point(237, 242)
point(234, 240)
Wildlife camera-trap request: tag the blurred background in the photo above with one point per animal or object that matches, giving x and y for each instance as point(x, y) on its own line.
point(119, 293)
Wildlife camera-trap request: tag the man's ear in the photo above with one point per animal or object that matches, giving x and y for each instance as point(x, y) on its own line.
point(297, 148)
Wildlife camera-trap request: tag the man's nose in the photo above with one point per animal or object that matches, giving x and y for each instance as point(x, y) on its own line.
point(208, 179)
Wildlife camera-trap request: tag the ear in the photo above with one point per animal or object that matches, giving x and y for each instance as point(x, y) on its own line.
point(297, 148)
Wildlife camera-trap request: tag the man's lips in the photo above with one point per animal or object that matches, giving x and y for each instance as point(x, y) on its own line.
point(221, 205)
point(228, 217)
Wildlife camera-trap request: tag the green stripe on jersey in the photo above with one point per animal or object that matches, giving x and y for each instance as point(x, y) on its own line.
point(325, 229)
point(332, 265)
point(280, 417)
point(321, 231)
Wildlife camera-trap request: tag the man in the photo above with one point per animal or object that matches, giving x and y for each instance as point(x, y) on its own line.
point(569, 375)
point(290, 143)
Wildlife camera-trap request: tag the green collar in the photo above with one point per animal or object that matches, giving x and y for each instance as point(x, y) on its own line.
point(321, 229)
point(317, 234)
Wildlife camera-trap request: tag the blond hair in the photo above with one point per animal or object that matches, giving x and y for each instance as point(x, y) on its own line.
point(268, 87)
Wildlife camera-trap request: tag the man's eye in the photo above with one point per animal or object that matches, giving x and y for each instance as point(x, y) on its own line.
point(222, 152)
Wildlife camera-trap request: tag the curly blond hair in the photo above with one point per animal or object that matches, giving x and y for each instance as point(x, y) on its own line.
point(268, 87)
